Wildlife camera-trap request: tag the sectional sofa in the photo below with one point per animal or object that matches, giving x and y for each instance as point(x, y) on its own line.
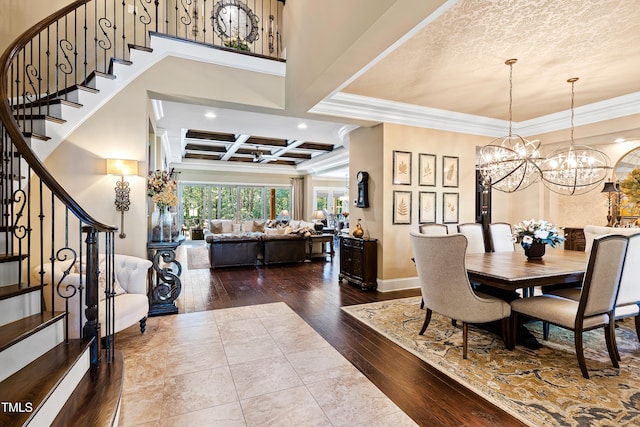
point(249, 242)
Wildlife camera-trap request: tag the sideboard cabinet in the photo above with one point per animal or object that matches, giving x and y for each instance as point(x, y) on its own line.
point(574, 239)
point(359, 261)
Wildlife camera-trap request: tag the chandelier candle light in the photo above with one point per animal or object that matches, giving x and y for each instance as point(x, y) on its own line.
point(510, 163)
point(576, 170)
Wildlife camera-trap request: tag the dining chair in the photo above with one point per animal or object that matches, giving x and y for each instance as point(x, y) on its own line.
point(445, 287)
point(628, 301)
point(434, 229)
point(475, 236)
point(501, 237)
point(595, 309)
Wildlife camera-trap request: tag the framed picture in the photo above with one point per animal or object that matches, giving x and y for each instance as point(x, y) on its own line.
point(427, 169)
point(402, 207)
point(427, 206)
point(450, 202)
point(449, 171)
point(402, 167)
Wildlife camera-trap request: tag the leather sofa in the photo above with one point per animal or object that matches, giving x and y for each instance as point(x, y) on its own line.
point(282, 248)
point(233, 250)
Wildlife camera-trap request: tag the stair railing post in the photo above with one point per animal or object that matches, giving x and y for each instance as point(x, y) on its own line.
point(91, 328)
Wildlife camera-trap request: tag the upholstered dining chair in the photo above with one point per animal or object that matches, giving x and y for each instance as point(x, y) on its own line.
point(446, 289)
point(501, 237)
point(434, 229)
point(628, 301)
point(595, 309)
point(475, 236)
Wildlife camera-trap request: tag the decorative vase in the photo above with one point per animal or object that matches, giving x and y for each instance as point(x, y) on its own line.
point(161, 221)
point(358, 231)
point(535, 250)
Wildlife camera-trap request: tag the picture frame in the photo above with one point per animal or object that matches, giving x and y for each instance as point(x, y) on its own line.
point(450, 208)
point(427, 169)
point(427, 207)
point(402, 207)
point(401, 167)
point(450, 172)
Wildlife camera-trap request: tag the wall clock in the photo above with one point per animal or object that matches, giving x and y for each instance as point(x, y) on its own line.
point(363, 190)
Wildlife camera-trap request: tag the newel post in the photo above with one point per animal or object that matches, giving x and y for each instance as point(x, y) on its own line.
point(91, 328)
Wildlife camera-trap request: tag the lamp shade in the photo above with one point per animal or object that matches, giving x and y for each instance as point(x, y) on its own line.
point(609, 187)
point(122, 167)
point(284, 212)
point(318, 214)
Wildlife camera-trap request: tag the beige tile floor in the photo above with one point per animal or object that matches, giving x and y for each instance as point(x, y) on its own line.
point(259, 365)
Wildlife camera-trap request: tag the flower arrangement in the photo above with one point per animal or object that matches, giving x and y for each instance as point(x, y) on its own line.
point(530, 231)
point(161, 187)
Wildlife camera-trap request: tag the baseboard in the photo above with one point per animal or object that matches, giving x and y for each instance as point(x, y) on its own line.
point(400, 284)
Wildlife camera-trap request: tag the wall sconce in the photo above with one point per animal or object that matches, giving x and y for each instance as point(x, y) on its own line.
point(122, 168)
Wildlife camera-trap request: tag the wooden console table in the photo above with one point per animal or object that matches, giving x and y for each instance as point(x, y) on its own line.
point(164, 283)
point(359, 261)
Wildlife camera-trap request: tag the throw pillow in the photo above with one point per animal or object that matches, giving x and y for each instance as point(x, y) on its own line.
point(227, 226)
point(247, 226)
point(216, 227)
point(258, 226)
point(102, 279)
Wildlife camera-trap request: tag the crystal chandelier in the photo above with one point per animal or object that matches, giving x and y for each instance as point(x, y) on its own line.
point(510, 163)
point(576, 170)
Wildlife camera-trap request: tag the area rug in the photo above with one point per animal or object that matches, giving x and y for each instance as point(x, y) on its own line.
point(540, 387)
point(197, 257)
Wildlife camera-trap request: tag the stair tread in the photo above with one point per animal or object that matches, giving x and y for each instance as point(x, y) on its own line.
point(14, 332)
point(34, 382)
point(36, 136)
point(11, 257)
point(44, 101)
point(9, 291)
point(138, 47)
point(100, 390)
point(40, 117)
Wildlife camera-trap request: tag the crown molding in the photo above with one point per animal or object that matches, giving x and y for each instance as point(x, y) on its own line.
point(378, 110)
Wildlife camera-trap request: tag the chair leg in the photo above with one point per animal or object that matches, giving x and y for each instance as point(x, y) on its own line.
point(506, 333)
point(427, 319)
point(612, 347)
point(421, 304)
point(545, 330)
point(580, 353)
point(465, 332)
point(143, 325)
point(637, 319)
point(513, 328)
point(454, 322)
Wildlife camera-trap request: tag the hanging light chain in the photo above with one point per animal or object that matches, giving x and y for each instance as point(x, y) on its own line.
point(510, 63)
point(573, 81)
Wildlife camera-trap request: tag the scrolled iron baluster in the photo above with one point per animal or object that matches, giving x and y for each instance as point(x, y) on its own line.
point(20, 202)
point(105, 43)
point(70, 290)
point(146, 18)
point(66, 46)
point(32, 74)
point(186, 18)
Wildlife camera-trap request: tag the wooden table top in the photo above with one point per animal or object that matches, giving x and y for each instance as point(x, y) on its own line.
point(512, 270)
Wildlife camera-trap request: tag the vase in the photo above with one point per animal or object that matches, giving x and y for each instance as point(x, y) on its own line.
point(358, 231)
point(535, 250)
point(161, 221)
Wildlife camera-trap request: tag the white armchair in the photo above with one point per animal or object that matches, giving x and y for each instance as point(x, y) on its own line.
point(131, 306)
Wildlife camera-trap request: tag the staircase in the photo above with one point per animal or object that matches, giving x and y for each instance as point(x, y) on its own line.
point(55, 76)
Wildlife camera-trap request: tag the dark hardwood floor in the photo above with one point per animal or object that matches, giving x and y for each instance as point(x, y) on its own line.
point(311, 289)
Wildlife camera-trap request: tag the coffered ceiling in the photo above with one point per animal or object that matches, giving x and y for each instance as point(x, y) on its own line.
point(449, 73)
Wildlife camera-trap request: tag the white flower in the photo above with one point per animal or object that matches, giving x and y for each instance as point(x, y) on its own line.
point(527, 240)
point(541, 234)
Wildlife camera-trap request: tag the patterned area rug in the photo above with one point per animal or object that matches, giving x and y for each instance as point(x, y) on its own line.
point(540, 387)
point(197, 257)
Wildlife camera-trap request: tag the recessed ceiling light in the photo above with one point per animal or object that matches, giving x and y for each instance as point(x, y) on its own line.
point(618, 140)
point(302, 126)
point(210, 115)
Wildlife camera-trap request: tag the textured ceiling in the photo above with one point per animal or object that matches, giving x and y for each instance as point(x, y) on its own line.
point(456, 63)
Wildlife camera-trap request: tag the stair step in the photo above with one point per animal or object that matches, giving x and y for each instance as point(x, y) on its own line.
point(11, 257)
point(47, 101)
point(11, 291)
point(35, 382)
point(17, 331)
point(138, 47)
point(47, 117)
point(96, 400)
point(36, 136)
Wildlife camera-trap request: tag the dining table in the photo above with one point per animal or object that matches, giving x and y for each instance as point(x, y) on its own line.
point(513, 270)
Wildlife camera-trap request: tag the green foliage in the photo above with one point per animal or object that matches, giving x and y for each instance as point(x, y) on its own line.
point(631, 186)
